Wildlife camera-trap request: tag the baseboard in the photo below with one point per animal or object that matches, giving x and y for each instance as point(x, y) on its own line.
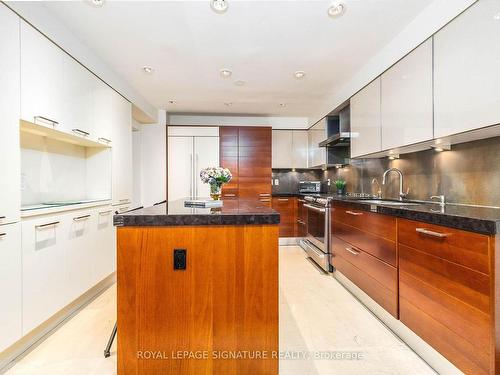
point(432, 357)
point(10, 356)
point(289, 241)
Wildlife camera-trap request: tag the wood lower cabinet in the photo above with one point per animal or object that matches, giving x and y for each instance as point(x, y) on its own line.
point(246, 151)
point(301, 218)
point(287, 207)
point(363, 246)
point(445, 292)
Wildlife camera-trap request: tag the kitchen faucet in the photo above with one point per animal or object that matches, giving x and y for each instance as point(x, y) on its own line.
point(401, 194)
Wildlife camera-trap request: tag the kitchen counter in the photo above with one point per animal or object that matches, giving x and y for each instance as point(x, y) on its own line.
point(174, 213)
point(475, 219)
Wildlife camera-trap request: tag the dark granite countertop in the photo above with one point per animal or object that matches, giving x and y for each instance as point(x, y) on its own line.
point(174, 213)
point(475, 219)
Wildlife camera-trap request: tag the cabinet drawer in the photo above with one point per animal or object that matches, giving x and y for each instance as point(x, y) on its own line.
point(377, 224)
point(458, 246)
point(255, 187)
point(385, 274)
point(372, 287)
point(379, 247)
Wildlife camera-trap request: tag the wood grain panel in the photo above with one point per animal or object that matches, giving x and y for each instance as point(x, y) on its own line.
point(463, 283)
point(226, 299)
point(379, 247)
point(287, 207)
point(260, 137)
point(301, 218)
point(465, 248)
point(384, 273)
point(380, 225)
point(460, 352)
point(383, 296)
point(252, 187)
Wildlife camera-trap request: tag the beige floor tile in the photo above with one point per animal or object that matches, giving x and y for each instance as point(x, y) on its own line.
point(316, 315)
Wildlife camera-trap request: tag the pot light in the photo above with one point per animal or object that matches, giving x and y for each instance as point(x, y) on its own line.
point(497, 16)
point(171, 101)
point(239, 82)
point(225, 73)
point(299, 74)
point(441, 147)
point(219, 6)
point(148, 70)
point(336, 9)
point(96, 3)
point(393, 156)
point(282, 105)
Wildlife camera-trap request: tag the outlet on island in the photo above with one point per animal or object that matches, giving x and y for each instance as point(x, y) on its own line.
point(180, 259)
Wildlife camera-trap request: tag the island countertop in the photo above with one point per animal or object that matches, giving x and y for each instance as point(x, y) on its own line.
point(174, 213)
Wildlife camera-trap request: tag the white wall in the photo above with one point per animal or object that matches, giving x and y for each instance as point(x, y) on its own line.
point(154, 161)
point(39, 17)
point(428, 22)
point(221, 120)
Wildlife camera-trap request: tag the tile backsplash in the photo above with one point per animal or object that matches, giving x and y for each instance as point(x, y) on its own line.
point(468, 174)
point(289, 180)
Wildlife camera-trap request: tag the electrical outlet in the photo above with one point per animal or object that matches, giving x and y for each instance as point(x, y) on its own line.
point(276, 182)
point(180, 259)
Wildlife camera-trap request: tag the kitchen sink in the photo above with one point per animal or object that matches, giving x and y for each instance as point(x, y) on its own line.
point(390, 203)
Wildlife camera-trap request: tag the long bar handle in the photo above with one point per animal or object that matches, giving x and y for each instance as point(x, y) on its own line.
point(47, 225)
point(105, 212)
point(100, 139)
point(2, 217)
point(45, 119)
point(79, 218)
point(264, 195)
point(229, 195)
point(80, 131)
point(301, 200)
point(3, 234)
point(353, 252)
point(283, 199)
point(322, 210)
point(431, 233)
point(354, 213)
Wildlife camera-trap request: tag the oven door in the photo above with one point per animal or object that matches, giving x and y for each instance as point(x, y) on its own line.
point(317, 230)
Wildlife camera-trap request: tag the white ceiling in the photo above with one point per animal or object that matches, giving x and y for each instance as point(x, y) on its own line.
point(262, 42)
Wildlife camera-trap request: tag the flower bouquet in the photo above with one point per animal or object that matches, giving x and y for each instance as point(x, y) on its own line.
point(215, 177)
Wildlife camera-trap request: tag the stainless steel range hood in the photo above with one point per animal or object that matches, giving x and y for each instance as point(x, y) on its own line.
point(338, 130)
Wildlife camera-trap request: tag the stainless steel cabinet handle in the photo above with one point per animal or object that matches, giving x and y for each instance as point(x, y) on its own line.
point(102, 139)
point(3, 234)
point(82, 132)
point(229, 195)
point(431, 233)
point(354, 213)
point(356, 253)
point(123, 209)
point(191, 174)
point(105, 212)
point(123, 200)
point(301, 200)
point(46, 225)
point(264, 195)
point(301, 222)
point(322, 210)
point(81, 217)
point(265, 200)
point(45, 119)
point(283, 199)
point(2, 217)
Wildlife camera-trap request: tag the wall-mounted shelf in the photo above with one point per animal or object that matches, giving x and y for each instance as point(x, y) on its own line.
point(44, 131)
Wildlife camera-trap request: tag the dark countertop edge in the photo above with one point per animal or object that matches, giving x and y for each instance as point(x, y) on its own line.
point(125, 220)
point(287, 194)
point(477, 225)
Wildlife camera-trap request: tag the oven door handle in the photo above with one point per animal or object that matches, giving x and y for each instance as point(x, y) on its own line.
point(322, 210)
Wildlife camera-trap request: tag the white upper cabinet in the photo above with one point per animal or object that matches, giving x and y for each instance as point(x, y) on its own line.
point(282, 148)
point(56, 90)
point(102, 102)
point(299, 148)
point(406, 103)
point(466, 71)
point(290, 148)
point(365, 120)
point(316, 154)
point(10, 197)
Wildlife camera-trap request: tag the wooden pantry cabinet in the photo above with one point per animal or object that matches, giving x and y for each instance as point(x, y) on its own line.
point(247, 152)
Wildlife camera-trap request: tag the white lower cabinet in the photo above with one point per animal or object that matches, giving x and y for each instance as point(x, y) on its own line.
point(64, 256)
point(10, 285)
point(44, 241)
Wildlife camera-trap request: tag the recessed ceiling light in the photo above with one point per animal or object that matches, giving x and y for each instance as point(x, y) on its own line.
point(336, 9)
point(228, 104)
point(219, 6)
point(96, 3)
point(225, 73)
point(299, 74)
point(441, 147)
point(171, 101)
point(282, 105)
point(497, 16)
point(239, 82)
point(148, 70)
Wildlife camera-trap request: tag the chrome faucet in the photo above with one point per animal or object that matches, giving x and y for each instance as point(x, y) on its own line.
point(442, 199)
point(401, 193)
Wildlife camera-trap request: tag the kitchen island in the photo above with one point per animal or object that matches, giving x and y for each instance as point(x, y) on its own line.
point(198, 289)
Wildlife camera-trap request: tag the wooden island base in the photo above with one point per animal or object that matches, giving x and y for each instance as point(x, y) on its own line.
point(192, 321)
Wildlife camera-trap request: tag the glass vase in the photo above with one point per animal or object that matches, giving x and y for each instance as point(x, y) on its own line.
point(215, 191)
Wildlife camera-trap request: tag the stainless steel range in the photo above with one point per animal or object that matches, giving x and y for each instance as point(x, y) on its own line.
point(317, 241)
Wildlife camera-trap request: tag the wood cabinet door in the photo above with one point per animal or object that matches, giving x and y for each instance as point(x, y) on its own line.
point(365, 120)
point(466, 73)
point(407, 99)
point(10, 162)
point(299, 149)
point(287, 207)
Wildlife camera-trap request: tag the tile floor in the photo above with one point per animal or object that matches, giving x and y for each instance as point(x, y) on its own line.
point(317, 315)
